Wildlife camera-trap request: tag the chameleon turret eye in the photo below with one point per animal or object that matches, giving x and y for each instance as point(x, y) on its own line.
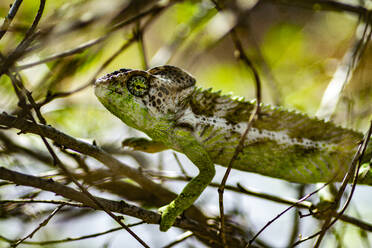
point(138, 85)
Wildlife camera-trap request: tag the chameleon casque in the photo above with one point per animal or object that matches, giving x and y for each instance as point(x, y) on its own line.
point(206, 126)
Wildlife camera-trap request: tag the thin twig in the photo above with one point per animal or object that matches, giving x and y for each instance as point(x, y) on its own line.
point(183, 171)
point(111, 162)
point(357, 222)
point(150, 217)
point(326, 5)
point(66, 240)
point(42, 201)
point(67, 53)
point(165, 53)
point(276, 94)
point(344, 71)
point(153, 11)
point(283, 212)
point(61, 165)
point(23, 45)
point(52, 96)
point(9, 18)
point(11, 147)
point(23, 94)
point(77, 196)
point(141, 45)
point(36, 21)
point(329, 102)
point(255, 113)
point(238, 189)
point(180, 239)
point(88, 44)
point(353, 172)
point(296, 218)
point(44, 223)
point(85, 148)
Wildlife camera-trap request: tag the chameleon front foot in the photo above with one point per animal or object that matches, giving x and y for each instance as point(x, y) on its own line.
point(169, 214)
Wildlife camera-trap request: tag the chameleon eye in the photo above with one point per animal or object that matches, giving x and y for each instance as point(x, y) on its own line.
point(137, 85)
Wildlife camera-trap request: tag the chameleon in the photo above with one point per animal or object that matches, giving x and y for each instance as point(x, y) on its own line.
point(206, 126)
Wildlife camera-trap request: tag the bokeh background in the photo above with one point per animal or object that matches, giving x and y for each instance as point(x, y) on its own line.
point(304, 51)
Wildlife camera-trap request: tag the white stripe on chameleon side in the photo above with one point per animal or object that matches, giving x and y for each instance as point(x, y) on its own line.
point(280, 137)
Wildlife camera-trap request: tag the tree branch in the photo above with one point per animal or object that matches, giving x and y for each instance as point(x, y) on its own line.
point(204, 233)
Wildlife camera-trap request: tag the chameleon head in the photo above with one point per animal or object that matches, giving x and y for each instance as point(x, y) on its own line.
point(140, 98)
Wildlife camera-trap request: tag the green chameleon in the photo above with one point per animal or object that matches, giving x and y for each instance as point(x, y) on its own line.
point(206, 126)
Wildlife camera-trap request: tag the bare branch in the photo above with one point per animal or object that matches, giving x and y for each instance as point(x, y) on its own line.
point(202, 232)
point(87, 149)
point(9, 18)
point(66, 240)
point(344, 71)
point(180, 239)
point(255, 114)
point(326, 5)
point(352, 173)
point(42, 224)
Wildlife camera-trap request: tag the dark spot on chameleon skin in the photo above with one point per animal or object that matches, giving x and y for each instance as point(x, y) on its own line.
point(154, 104)
point(214, 121)
point(163, 89)
point(303, 152)
point(203, 119)
point(234, 132)
point(220, 152)
point(124, 70)
point(160, 94)
point(115, 72)
point(203, 131)
point(233, 123)
point(158, 101)
point(186, 126)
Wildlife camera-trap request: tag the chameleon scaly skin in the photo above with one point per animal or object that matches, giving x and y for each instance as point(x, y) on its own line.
point(206, 126)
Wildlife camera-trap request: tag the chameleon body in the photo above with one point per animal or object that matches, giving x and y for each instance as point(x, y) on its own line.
point(206, 126)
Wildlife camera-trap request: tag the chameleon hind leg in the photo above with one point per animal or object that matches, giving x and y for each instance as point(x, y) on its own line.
point(197, 154)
